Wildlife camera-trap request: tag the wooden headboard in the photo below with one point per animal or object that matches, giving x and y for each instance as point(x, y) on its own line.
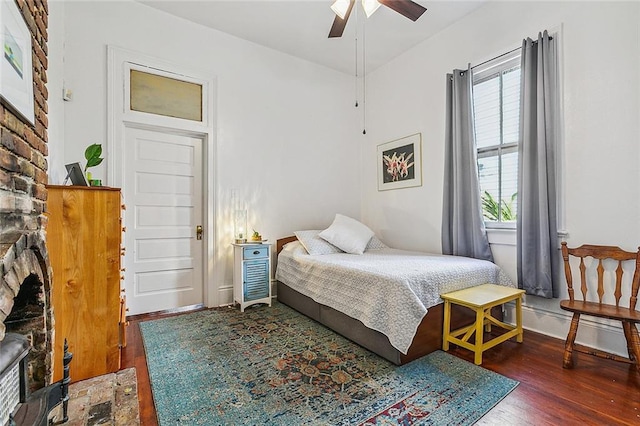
point(281, 242)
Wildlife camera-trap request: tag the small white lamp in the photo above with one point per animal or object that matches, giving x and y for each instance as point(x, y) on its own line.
point(240, 226)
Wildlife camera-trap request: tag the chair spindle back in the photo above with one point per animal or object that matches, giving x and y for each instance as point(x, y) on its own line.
point(601, 253)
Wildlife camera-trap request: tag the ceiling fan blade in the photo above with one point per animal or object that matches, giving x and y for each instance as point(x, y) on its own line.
point(407, 8)
point(338, 23)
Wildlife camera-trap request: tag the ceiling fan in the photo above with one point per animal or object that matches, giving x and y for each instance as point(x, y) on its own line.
point(342, 9)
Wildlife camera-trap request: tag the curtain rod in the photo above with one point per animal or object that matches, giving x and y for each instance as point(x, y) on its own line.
point(503, 54)
point(499, 56)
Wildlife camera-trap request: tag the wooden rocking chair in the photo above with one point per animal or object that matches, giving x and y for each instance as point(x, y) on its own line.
point(629, 316)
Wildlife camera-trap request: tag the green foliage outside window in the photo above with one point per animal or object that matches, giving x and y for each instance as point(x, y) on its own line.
point(498, 212)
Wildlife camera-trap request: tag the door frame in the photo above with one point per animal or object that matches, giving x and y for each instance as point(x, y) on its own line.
point(119, 62)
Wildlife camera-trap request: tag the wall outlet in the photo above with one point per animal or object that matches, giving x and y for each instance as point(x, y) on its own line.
point(67, 94)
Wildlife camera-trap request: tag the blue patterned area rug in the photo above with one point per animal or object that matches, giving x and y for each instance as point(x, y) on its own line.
point(274, 366)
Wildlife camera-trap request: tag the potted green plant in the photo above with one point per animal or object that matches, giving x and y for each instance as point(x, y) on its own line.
point(92, 155)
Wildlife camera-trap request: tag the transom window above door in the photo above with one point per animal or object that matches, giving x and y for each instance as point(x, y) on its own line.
point(156, 94)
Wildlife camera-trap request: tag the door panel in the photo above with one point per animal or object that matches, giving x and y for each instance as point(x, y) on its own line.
point(161, 282)
point(163, 188)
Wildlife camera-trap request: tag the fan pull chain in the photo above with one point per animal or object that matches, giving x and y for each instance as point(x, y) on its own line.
point(364, 80)
point(356, 80)
point(356, 58)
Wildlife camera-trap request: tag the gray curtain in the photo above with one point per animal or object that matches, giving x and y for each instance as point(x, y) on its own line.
point(537, 229)
point(463, 231)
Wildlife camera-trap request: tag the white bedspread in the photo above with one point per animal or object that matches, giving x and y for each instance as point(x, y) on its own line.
point(388, 290)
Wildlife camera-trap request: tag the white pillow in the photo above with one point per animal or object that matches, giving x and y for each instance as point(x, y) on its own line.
point(347, 234)
point(375, 244)
point(314, 244)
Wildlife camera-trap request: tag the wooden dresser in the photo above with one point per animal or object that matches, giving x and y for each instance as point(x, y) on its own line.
point(83, 239)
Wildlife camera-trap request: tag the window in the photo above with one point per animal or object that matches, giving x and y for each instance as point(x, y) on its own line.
point(160, 95)
point(496, 103)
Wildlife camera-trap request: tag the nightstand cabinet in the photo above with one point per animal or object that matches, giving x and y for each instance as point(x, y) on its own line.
point(251, 274)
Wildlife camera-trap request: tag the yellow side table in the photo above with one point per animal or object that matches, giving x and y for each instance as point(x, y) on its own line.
point(481, 299)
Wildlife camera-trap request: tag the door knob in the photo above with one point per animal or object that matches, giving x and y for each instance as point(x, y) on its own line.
point(199, 232)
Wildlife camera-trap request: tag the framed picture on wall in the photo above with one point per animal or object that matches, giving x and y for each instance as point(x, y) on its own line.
point(16, 73)
point(400, 163)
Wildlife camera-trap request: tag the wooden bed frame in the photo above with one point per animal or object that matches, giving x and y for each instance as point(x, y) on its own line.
point(428, 336)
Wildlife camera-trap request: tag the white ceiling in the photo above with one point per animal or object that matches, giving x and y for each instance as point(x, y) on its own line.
point(300, 27)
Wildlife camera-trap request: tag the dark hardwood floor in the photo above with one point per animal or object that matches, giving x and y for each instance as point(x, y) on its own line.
point(595, 392)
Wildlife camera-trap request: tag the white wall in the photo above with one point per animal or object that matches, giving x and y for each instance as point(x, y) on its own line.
point(55, 79)
point(294, 124)
point(601, 47)
point(283, 124)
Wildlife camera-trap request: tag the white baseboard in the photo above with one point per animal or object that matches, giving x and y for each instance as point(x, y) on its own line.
point(604, 335)
point(225, 295)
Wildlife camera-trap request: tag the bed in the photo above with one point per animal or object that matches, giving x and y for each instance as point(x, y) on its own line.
point(377, 300)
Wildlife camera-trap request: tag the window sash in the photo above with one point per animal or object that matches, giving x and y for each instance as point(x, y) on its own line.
point(505, 147)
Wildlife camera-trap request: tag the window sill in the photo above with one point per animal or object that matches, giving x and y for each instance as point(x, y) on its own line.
point(506, 236)
point(502, 236)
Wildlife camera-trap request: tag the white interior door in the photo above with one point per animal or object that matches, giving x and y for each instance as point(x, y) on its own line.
point(163, 192)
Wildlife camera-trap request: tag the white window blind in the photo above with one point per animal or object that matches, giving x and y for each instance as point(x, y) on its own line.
point(496, 102)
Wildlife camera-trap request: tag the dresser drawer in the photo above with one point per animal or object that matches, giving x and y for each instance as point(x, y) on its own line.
point(255, 252)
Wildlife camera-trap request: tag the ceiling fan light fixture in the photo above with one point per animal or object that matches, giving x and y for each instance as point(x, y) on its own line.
point(340, 8)
point(370, 6)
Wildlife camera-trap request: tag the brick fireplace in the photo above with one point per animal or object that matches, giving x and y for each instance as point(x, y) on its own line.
point(25, 274)
point(24, 299)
